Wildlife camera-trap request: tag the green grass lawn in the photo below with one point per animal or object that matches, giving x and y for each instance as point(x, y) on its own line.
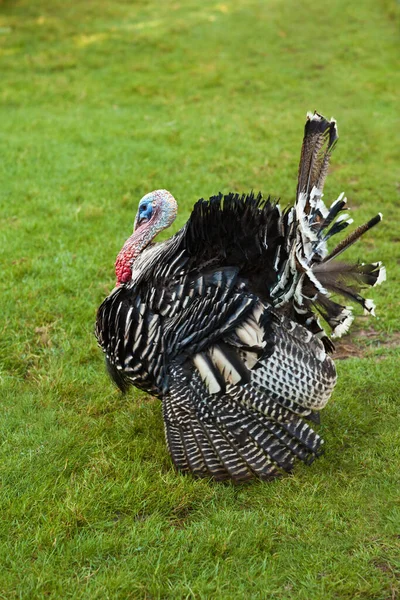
point(102, 102)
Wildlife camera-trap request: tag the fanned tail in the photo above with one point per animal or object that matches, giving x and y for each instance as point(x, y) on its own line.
point(219, 436)
point(310, 273)
point(252, 426)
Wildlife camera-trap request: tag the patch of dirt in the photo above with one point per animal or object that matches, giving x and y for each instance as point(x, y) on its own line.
point(180, 517)
point(361, 343)
point(44, 335)
point(382, 566)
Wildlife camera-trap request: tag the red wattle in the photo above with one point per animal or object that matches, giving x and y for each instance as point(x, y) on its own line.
point(123, 269)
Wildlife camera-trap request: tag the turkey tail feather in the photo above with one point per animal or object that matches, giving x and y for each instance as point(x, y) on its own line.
point(319, 140)
point(353, 237)
point(311, 274)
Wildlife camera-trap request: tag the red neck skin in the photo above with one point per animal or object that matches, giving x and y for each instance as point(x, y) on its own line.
point(131, 250)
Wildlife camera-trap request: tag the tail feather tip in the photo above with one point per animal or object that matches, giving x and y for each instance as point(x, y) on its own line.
point(344, 325)
point(382, 274)
point(369, 307)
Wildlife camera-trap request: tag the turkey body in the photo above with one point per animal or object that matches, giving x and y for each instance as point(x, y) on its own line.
point(219, 323)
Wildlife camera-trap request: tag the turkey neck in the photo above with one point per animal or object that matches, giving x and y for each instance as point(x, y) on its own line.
point(131, 250)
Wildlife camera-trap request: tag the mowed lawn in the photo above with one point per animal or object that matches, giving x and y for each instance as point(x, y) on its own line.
point(102, 102)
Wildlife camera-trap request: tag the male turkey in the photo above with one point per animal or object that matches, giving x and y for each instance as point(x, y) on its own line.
point(220, 321)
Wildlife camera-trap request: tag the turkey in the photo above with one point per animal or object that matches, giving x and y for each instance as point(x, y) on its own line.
point(221, 321)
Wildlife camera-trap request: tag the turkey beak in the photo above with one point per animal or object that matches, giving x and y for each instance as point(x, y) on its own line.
point(139, 221)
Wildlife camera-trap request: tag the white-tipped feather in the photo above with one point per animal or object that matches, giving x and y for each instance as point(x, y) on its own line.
point(382, 274)
point(343, 217)
point(369, 307)
point(343, 327)
point(316, 201)
point(314, 116)
point(339, 199)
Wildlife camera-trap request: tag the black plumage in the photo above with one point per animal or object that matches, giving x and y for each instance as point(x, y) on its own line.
point(220, 322)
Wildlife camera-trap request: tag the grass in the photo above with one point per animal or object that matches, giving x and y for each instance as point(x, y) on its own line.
point(100, 103)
